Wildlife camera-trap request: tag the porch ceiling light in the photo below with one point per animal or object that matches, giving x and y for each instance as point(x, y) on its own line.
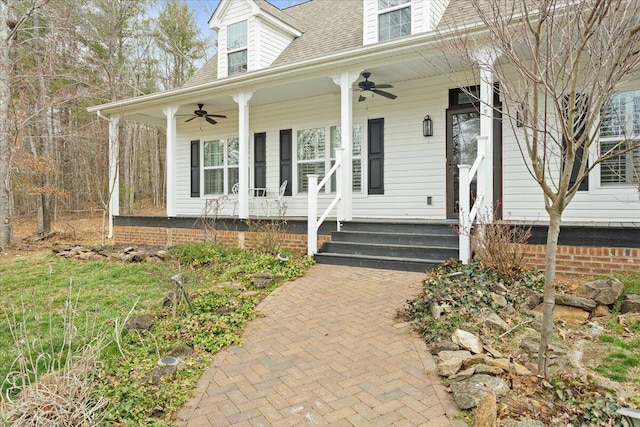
point(427, 126)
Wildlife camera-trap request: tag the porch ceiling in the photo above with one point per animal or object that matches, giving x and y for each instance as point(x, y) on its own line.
point(390, 69)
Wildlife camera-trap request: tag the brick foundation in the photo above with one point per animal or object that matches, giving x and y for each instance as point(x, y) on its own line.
point(587, 260)
point(165, 237)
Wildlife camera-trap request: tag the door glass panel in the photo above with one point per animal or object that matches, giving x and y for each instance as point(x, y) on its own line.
point(465, 128)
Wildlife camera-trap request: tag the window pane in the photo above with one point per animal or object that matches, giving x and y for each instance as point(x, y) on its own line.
point(356, 141)
point(237, 35)
point(386, 4)
point(237, 62)
point(311, 144)
point(214, 153)
point(394, 24)
point(233, 178)
point(214, 181)
point(233, 151)
point(305, 169)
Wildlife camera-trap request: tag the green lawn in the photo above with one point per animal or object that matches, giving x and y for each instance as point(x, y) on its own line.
point(39, 291)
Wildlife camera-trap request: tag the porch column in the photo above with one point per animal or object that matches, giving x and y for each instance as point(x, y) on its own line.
point(114, 176)
point(242, 99)
point(170, 112)
point(486, 58)
point(345, 80)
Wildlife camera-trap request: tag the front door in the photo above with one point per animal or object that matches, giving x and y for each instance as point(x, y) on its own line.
point(463, 129)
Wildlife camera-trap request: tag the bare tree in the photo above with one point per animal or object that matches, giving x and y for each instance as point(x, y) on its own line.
point(558, 64)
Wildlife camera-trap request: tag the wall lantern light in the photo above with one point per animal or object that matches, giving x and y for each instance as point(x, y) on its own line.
point(427, 126)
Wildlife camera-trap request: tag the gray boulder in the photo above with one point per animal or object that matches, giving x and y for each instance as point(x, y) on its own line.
point(467, 341)
point(603, 291)
point(450, 362)
point(467, 393)
point(576, 301)
point(630, 304)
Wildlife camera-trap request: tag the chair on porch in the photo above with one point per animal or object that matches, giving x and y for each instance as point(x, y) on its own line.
point(234, 196)
point(277, 201)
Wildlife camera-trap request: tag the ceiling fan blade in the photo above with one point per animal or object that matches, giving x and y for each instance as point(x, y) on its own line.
point(385, 94)
point(188, 120)
point(361, 98)
point(210, 120)
point(383, 86)
point(220, 116)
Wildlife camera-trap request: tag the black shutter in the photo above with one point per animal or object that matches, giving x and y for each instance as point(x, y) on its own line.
point(286, 159)
point(260, 160)
point(582, 104)
point(375, 145)
point(195, 168)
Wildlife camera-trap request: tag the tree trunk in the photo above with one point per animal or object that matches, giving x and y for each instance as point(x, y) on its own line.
point(546, 333)
point(5, 147)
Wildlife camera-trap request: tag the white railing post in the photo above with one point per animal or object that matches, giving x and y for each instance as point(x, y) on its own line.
point(464, 221)
point(340, 186)
point(312, 215)
point(481, 174)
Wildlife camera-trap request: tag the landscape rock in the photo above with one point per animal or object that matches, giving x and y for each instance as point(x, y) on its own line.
point(492, 351)
point(495, 322)
point(521, 423)
point(473, 360)
point(499, 300)
point(451, 361)
point(503, 363)
point(443, 345)
point(532, 301)
point(462, 375)
point(486, 412)
point(160, 372)
point(603, 291)
point(630, 304)
point(262, 280)
point(601, 310)
point(576, 301)
point(182, 351)
point(566, 313)
point(483, 368)
point(467, 341)
point(143, 322)
point(468, 393)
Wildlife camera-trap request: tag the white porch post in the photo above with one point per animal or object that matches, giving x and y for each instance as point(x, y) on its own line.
point(170, 112)
point(345, 80)
point(114, 176)
point(486, 58)
point(242, 99)
point(464, 233)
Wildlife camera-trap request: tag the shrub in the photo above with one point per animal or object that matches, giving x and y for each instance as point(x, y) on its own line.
point(500, 247)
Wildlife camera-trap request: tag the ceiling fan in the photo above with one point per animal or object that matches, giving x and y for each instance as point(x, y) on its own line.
point(204, 114)
point(370, 86)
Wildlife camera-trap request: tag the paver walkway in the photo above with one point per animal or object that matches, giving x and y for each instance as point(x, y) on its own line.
point(328, 351)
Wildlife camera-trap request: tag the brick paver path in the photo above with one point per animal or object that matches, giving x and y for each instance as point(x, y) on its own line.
point(328, 351)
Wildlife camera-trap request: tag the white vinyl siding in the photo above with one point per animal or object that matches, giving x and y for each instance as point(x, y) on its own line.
point(270, 43)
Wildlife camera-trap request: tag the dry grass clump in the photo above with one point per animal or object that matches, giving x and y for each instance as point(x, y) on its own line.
point(52, 380)
point(500, 247)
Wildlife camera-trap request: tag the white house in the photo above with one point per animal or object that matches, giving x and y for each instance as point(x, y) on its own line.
point(286, 83)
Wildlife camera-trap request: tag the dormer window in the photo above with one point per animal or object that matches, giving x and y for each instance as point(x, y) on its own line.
point(394, 19)
point(237, 48)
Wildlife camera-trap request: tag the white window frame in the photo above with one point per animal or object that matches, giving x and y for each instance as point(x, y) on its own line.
point(238, 49)
point(627, 158)
point(354, 157)
point(226, 166)
point(328, 159)
point(406, 5)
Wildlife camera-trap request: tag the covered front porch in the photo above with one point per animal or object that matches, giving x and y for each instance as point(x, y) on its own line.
point(285, 124)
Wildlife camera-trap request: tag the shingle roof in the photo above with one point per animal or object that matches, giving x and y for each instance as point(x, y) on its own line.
point(205, 74)
point(326, 29)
